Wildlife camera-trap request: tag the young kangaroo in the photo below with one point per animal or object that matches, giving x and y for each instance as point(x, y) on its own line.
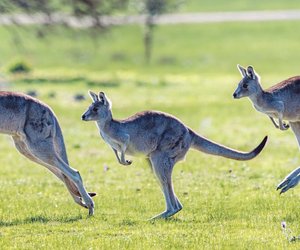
point(37, 135)
point(162, 138)
point(281, 102)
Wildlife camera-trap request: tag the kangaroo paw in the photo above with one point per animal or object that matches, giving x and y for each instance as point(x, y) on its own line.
point(92, 194)
point(286, 126)
point(128, 162)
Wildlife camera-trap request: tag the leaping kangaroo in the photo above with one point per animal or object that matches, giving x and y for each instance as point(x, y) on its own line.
point(36, 133)
point(279, 102)
point(162, 138)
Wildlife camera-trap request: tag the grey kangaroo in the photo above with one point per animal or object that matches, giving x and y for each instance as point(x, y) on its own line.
point(279, 102)
point(36, 133)
point(162, 138)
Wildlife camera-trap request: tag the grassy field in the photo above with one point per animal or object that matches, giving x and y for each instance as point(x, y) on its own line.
point(245, 5)
point(227, 204)
point(181, 49)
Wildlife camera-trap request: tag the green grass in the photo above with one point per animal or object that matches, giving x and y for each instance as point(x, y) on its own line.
point(223, 209)
point(227, 204)
point(244, 5)
point(198, 49)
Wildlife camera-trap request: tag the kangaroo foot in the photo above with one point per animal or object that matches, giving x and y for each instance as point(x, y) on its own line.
point(92, 194)
point(165, 214)
point(126, 162)
point(290, 181)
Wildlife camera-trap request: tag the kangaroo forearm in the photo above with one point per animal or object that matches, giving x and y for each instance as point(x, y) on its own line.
point(282, 125)
point(274, 122)
point(116, 154)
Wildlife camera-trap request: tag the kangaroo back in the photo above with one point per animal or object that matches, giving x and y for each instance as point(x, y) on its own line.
point(207, 146)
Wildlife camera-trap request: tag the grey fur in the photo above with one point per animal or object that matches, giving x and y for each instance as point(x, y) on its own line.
point(162, 138)
point(279, 102)
point(37, 135)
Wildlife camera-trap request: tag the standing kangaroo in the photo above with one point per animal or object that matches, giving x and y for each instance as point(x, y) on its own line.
point(162, 138)
point(37, 135)
point(281, 102)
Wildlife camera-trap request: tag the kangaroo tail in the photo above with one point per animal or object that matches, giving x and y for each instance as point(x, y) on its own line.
point(210, 147)
point(59, 141)
point(61, 150)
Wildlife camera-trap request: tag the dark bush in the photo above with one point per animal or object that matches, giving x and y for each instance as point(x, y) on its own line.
point(19, 66)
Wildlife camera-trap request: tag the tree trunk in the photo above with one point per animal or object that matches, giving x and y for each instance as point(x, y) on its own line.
point(148, 38)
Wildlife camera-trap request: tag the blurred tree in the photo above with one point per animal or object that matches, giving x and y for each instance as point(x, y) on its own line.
point(51, 10)
point(152, 9)
point(28, 6)
point(94, 10)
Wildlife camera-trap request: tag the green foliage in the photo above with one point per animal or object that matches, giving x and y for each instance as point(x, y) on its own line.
point(83, 7)
point(29, 6)
point(19, 66)
point(154, 7)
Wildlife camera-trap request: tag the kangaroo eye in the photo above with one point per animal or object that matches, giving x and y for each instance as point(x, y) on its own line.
point(245, 85)
point(95, 109)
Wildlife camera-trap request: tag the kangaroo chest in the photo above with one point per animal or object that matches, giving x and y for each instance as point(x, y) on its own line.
point(267, 112)
point(109, 140)
point(258, 108)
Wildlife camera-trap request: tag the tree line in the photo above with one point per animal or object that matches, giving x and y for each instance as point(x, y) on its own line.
point(95, 10)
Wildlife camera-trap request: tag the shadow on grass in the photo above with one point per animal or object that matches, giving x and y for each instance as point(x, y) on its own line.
point(40, 219)
point(127, 222)
point(165, 220)
point(59, 80)
point(40, 80)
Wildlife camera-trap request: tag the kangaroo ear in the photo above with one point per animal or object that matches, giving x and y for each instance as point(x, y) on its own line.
point(93, 96)
point(242, 70)
point(251, 72)
point(104, 99)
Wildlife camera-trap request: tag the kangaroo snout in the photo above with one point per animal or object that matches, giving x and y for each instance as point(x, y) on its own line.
point(237, 94)
point(83, 117)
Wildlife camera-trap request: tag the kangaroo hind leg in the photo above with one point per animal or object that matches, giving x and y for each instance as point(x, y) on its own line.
point(293, 178)
point(163, 167)
point(23, 149)
point(59, 146)
point(296, 129)
point(44, 151)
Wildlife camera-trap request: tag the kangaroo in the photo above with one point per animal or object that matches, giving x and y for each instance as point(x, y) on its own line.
point(161, 137)
point(36, 133)
point(279, 102)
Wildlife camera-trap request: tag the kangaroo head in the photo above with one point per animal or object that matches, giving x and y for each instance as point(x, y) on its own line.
point(100, 109)
point(250, 83)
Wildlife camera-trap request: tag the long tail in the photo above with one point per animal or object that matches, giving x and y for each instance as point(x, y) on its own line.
point(210, 147)
point(60, 147)
point(59, 142)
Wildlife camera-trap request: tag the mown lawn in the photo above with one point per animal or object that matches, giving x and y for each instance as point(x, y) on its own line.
point(227, 204)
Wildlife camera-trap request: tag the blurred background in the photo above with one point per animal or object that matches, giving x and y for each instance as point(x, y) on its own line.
point(177, 56)
point(126, 35)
